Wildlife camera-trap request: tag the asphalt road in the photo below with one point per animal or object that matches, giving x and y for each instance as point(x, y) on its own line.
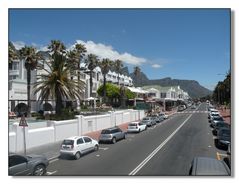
point(166, 149)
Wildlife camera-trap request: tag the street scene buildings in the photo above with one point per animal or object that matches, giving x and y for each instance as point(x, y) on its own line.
point(118, 101)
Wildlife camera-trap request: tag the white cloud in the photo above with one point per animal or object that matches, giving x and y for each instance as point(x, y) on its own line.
point(107, 51)
point(18, 44)
point(156, 66)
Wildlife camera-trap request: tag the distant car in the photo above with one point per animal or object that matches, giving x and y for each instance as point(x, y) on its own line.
point(181, 108)
point(224, 136)
point(20, 165)
point(193, 107)
point(78, 145)
point(216, 119)
point(111, 135)
point(165, 116)
point(155, 119)
point(149, 121)
point(212, 115)
point(136, 127)
point(218, 125)
point(204, 166)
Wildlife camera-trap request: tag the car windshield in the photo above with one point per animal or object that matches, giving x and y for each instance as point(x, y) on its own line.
point(133, 124)
point(68, 142)
point(105, 132)
point(218, 118)
point(145, 118)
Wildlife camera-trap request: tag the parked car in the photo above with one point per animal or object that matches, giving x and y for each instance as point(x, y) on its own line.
point(20, 165)
point(111, 135)
point(154, 119)
point(165, 116)
point(78, 145)
point(216, 119)
point(181, 108)
point(136, 127)
point(218, 125)
point(224, 136)
point(210, 111)
point(193, 107)
point(149, 121)
point(212, 115)
point(204, 166)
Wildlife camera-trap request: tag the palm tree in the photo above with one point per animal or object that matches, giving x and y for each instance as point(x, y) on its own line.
point(75, 56)
point(12, 53)
point(137, 72)
point(56, 83)
point(118, 65)
point(92, 63)
point(105, 67)
point(31, 57)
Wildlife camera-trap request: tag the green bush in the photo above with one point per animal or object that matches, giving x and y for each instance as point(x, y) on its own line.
point(66, 114)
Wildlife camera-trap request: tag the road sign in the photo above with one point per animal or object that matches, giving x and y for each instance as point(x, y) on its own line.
point(23, 121)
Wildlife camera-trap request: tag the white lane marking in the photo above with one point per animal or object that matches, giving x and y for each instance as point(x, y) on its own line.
point(54, 160)
point(209, 146)
point(103, 148)
point(97, 155)
point(146, 160)
point(50, 173)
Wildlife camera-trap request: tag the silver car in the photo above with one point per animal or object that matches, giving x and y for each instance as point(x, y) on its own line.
point(111, 135)
point(204, 166)
point(20, 165)
point(149, 121)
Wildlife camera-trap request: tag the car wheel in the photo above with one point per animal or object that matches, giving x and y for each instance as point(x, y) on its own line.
point(96, 147)
point(114, 140)
point(39, 170)
point(77, 155)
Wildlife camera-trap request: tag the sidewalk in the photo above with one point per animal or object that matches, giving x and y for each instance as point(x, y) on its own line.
point(226, 114)
point(52, 150)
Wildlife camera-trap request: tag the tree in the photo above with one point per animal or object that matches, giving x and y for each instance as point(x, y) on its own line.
point(222, 92)
point(118, 65)
point(12, 53)
point(112, 91)
point(56, 82)
point(29, 54)
point(137, 72)
point(105, 67)
point(92, 63)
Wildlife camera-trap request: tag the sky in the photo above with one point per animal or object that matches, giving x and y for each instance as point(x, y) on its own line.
point(191, 44)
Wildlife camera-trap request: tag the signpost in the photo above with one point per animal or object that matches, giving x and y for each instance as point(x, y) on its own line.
point(23, 124)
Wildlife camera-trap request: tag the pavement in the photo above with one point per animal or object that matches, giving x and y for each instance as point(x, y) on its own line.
point(52, 150)
point(226, 114)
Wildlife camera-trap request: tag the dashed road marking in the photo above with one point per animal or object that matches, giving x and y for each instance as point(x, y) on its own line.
point(48, 173)
point(53, 160)
point(97, 155)
point(103, 148)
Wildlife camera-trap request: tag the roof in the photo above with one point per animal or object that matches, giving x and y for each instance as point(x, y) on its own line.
point(205, 166)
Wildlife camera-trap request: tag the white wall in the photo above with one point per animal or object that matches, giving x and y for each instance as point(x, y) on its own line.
point(59, 130)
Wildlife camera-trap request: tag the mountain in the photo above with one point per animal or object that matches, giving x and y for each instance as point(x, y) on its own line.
point(194, 89)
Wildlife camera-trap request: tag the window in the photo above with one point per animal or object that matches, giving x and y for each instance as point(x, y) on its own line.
point(16, 160)
point(163, 95)
point(80, 141)
point(68, 142)
point(87, 139)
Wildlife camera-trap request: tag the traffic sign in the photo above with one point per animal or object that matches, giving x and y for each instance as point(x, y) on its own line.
point(23, 121)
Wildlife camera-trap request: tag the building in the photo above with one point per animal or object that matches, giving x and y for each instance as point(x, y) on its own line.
point(18, 85)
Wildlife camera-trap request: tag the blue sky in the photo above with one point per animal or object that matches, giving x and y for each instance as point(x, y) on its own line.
point(191, 44)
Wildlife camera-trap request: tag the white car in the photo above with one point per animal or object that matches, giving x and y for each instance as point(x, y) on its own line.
point(136, 127)
point(78, 145)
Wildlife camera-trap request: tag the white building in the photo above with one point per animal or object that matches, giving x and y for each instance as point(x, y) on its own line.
point(18, 84)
